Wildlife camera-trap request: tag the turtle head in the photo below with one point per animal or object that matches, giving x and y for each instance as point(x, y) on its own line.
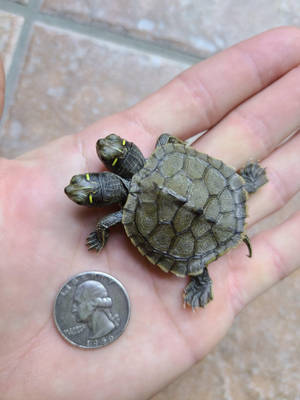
point(111, 149)
point(84, 189)
point(120, 156)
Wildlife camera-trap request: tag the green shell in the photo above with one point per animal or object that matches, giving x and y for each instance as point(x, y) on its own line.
point(184, 209)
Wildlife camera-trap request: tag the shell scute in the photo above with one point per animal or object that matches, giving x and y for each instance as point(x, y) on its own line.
point(161, 237)
point(226, 170)
point(195, 167)
point(222, 235)
point(183, 219)
point(167, 264)
point(172, 164)
point(166, 209)
point(178, 184)
point(240, 196)
point(195, 265)
point(215, 181)
point(200, 226)
point(226, 221)
point(215, 163)
point(179, 268)
point(183, 246)
point(146, 218)
point(226, 201)
point(152, 163)
point(240, 223)
point(212, 209)
point(198, 195)
point(205, 244)
point(235, 182)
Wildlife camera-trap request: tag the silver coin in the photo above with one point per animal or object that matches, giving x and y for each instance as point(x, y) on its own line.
point(92, 310)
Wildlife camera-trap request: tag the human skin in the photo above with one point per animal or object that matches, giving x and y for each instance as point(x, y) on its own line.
point(248, 97)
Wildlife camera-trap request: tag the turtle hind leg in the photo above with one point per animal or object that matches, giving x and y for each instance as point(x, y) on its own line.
point(254, 176)
point(97, 239)
point(198, 292)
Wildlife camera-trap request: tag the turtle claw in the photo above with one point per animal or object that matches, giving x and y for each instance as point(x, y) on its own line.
point(94, 243)
point(199, 291)
point(199, 299)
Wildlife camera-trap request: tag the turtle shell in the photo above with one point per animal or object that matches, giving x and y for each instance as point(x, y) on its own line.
point(184, 209)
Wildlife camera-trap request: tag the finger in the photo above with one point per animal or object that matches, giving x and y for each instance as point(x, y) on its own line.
point(258, 125)
point(199, 97)
point(283, 172)
point(176, 110)
point(184, 107)
point(276, 254)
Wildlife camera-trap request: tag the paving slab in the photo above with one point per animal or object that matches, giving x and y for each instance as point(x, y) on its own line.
point(198, 27)
point(69, 81)
point(10, 28)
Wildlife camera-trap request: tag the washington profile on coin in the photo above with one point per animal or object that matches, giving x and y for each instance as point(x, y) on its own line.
point(92, 309)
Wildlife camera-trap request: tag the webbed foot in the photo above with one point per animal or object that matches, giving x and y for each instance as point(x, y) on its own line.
point(254, 176)
point(199, 290)
point(94, 242)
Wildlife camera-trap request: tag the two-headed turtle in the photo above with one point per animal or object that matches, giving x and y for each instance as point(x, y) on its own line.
point(182, 209)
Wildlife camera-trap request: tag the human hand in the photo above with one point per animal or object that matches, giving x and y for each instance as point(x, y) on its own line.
point(248, 97)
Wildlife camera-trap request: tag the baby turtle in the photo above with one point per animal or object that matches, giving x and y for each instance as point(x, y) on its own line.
point(182, 209)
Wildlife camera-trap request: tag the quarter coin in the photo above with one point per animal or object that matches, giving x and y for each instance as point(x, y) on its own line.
point(92, 310)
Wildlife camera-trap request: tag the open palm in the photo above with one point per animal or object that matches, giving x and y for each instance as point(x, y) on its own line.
point(248, 97)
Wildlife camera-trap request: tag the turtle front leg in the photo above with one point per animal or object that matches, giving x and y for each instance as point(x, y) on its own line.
point(254, 176)
point(97, 239)
point(199, 290)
